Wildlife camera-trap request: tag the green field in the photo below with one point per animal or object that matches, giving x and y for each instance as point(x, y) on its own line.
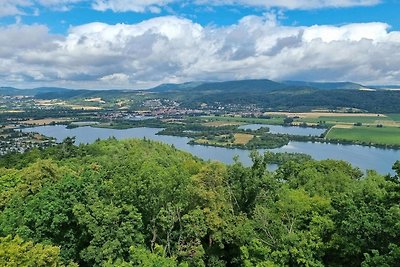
point(273, 120)
point(375, 135)
point(346, 120)
point(395, 117)
point(354, 119)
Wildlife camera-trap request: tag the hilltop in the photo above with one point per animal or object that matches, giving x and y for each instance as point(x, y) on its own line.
point(142, 203)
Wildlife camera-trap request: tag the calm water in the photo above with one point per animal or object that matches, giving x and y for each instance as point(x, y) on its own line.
point(362, 157)
point(279, 129)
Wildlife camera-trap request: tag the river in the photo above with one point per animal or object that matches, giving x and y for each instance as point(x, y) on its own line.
point(363, 157)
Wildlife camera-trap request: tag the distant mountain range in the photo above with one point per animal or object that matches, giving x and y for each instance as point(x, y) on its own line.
point(239, 86)
point(328, 85)
point(267, 94)
point(11, 91)
point(255, 86)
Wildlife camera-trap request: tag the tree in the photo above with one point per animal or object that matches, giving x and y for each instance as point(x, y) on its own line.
point(396, 168)
point(288, 120)
point(110, 230)
point(16, 252)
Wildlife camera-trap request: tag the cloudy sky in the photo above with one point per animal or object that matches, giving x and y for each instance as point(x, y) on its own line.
point(142, 43)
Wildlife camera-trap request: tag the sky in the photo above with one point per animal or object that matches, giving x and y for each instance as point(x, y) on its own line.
point(136, 44)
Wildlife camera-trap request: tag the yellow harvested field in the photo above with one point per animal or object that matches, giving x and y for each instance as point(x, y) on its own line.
point(202, 141)
point(50, 103)
point(221, 123)
point(84, 107)
point(47, 103)
point(242, 139)
point(324, 114)
point(45, 121)
point(95, 99)
point(7, 127)
point(11, 111)
point(343, 126)
point(308, 124)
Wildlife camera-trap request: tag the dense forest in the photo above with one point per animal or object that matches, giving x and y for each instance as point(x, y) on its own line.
point(142, 203)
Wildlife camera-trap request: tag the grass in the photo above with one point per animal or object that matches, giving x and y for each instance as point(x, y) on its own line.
point(366, 120)
point(374, 135)
point(45, 121)
point(273, 120)
point(395, 117)
point(221, 123)
point(353, 119)
point(242, 139)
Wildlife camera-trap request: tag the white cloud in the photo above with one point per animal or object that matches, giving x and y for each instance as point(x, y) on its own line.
point(172, 49)
point(292, 4)
point(19, 7)
point(116, 78)
point(30, 7)
point(155, 5)
point(13, 7)
point(129, 5)
point(60, 5)
point(351, 32)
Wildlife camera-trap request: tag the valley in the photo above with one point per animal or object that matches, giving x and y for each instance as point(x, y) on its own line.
point(214, 130)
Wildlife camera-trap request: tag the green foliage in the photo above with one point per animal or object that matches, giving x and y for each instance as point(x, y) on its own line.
point(28, 181)
point(142, 203)
point(16, 252)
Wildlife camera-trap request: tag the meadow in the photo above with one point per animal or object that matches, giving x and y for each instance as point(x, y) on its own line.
point(276, 120)
point(367, 134)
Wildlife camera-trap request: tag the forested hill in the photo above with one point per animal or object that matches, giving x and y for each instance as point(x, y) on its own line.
point(141, 203)
point(255, 85)
point(239, 86)
point(327, 85)
point(266, 94)
point(299, 99)
point(290, 95)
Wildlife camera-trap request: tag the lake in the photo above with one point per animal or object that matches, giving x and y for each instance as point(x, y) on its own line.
point(279, 129)
point(363, 157)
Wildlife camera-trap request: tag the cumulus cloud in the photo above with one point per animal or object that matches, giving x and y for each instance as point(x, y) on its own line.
point(173, 49)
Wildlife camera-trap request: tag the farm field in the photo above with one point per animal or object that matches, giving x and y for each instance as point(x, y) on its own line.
point(242, 139)
point(395, 117)
point(273, 120)
point(315, 115)
point(45, 121)
point(221, 123)
point(342, 125)
point(375, 135)
point(350, 119)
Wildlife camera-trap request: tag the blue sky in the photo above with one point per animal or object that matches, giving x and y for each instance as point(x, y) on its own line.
point(140, 43)
point(59, 21)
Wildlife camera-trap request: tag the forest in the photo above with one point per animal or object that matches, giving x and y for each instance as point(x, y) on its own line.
point(295, 99)
point(143, 203)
